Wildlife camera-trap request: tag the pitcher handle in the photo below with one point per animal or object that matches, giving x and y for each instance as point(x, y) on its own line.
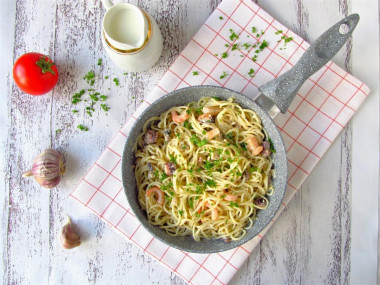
point(107, 4)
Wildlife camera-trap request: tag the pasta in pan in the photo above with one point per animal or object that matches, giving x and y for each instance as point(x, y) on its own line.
point(204, 169)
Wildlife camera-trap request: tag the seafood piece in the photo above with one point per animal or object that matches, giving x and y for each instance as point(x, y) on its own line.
point(170, 167)
point(159, 194)
point(253, 146)
point(179, 118)
point(150, 137)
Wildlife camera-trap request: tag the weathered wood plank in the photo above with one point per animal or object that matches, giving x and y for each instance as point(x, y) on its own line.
point(7, 29)
point(28, 223)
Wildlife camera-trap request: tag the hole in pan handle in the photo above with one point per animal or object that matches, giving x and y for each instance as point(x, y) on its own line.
point(279, 92)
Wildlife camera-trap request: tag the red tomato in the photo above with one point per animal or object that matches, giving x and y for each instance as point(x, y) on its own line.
point(35, 73)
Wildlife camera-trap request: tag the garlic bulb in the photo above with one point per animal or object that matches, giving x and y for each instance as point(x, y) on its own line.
point(47, 168)
point(68, 238)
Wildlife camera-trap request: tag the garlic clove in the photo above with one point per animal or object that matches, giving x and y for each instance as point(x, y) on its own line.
point(68, 238)
point(47, 168)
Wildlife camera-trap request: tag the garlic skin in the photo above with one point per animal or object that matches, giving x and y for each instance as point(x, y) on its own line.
point(47, 168)
point(68, 238)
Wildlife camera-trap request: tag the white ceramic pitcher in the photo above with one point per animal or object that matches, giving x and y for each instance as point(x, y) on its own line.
point(130, 36)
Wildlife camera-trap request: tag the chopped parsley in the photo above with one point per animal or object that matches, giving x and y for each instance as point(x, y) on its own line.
point(216, 98)
point(221, 18)
point(163, 176)
point(230, 136)
point(278, 32)
point(234, 47)
point(197, 141)
point(173, 158)
point(251, 72)
point(233, 35)
point(187, 125)
point(224, 74)
point(243, 145)
point(116, 81)
point(195, 73)
point(74, 111)
point(58, 131)
point(263, 45)
point(77, 97)
point(106, 77)
point(90, 78)
point(233, 204)
point(246, 45)
point(208, 165)
point(254, 58)
point(99, 61)
point(224, 55)
point(82, 128)
point(180, 212)
point(199, 110)
point(104, 107)
point(227, 45)
point(210, 182)
point(272, 149)
point(191, 204)
point(253, 30)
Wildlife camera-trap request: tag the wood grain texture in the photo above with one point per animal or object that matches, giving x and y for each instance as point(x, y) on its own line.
point(309, 244)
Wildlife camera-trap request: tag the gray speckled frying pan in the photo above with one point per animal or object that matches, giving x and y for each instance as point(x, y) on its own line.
point(275, 96)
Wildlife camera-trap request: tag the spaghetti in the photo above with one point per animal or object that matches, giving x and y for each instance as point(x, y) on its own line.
point(204, 169)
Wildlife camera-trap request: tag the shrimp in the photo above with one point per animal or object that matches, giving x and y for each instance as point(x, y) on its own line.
point(213, 133)
point(179, 118)
point(212, 110)
point(158, 192)
point(230, 197)
point(253, 146)
point(206, 118)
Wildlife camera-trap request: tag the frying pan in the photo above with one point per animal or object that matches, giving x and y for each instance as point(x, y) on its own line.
point(275, 97)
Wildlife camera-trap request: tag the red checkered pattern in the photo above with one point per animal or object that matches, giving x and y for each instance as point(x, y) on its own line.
point(319, 112)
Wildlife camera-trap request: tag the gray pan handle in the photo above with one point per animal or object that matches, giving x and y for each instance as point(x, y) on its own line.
point(282, 89)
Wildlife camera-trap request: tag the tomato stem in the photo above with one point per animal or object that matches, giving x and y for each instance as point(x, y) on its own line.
point(45, 65)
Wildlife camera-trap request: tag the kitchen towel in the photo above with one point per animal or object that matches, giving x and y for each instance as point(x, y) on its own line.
point(240, 47)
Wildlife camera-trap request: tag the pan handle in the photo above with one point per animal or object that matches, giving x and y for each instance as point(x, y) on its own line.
point(282, 89)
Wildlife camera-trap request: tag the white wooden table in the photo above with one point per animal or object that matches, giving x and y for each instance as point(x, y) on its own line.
point(316, 240)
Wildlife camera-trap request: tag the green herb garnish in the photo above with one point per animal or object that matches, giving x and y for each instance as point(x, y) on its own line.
point(173, 158)
point(210, 182)
point(116, 81)
point(99, 61)
point(272, 149)
point(104, 107)
point(233, 35)
point(90, 78)
point(263, 45)
point(82, 128)
point(234, 47)
point(278, 32)
point(195, 72)
point(251, 72)
point(233, 204)
point(221, 18)
point(224, 74)
point(187, 125)
point(224, 55)
point(163, 176)
point(180, 212)
point(253, 30)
